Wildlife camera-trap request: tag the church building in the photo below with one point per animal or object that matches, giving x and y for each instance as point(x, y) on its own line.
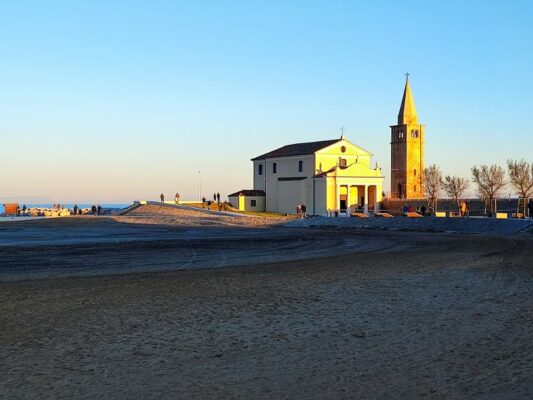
point(327, 176)
point(407, 151)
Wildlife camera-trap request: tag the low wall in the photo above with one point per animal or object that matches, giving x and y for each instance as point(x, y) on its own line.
point(477, 206)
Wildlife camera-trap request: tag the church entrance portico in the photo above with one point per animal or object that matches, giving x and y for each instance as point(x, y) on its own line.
point(352, 198)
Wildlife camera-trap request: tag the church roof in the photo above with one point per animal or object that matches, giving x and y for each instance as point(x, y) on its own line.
point(246, 192)
point(297, 149)
point(407, 114)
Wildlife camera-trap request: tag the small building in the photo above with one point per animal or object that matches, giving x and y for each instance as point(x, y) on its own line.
point(248, 200)
point(327, 176)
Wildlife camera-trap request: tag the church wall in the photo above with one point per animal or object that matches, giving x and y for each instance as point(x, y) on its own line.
point(259, 180)
point(291, 193)
point(286, 167)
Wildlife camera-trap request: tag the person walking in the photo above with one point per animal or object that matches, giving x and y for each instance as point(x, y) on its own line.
point(304, 211)
point(75, 209)
point(99, 209)
point(530, 208)
point(218, 197)
point(462, 208)
point(203, 201)
point(177, 198)
point(209, 205)
point(24, 209)
point(162, 197)
point(93, 210)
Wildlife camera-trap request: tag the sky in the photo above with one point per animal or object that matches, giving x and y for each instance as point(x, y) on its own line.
point(115, 101)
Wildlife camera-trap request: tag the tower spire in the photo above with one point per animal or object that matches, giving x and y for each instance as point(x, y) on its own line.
point(407, 114)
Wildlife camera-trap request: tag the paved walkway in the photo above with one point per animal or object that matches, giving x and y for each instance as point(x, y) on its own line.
point(426, 224)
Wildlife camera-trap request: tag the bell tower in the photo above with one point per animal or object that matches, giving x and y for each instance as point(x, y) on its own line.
point(407, 151)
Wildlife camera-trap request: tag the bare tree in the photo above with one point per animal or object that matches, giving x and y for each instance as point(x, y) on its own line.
point(490, 181)
point(521, 179)
point(433, 185)
point(455, 187)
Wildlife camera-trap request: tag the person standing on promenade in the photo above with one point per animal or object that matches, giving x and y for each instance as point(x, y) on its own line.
point(304, 211)
point(24, 209)
point(99, 209)
point(75, 209)
point(162, 197)
point(93, 210)
point(203, 201)
point(177, 198)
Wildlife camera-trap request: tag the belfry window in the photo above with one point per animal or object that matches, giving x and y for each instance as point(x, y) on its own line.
point(400, 134)
point(300, 166)
point(274, 168)
point(260, 172)
point(414, 134)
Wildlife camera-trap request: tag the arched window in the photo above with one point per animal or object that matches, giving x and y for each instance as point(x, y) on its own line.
point(414, 134)
point(400, 134)
point(414, 172)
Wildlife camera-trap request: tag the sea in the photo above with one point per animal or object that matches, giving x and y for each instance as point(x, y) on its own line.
point(69, 205)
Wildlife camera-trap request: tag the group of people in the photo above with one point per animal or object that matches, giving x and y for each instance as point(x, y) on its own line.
point(208, 203)
point(408, 208)
point(176, 198)
point(95, 210)
point(301, 210)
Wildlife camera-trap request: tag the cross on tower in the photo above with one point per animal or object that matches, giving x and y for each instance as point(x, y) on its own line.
point(407, 76)
point(342, 130)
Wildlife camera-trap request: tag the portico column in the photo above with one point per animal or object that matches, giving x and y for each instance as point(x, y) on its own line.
point(366, 199)
point(338, 198)
point(348, 200)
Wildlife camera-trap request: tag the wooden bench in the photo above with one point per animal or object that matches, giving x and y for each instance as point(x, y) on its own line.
point(358, 215)
point(384, 215)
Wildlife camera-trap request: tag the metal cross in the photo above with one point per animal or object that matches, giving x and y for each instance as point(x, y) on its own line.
point(407, 76)
point(342, 130)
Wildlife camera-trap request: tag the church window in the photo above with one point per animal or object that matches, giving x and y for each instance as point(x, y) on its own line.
point(253, 203)
point(400, 134)
point(342, 162)
point(414, 134)
point(343, 149)
point(414, 172)
point(260, 169)
point(300, 166)
point(274, 168)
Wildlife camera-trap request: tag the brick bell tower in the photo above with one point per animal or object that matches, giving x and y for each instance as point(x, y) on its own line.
point(407, 151)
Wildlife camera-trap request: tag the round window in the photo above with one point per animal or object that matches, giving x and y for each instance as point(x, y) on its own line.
point(343, 149)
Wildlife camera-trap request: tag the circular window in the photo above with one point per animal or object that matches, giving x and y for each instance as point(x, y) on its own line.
point(343, 149)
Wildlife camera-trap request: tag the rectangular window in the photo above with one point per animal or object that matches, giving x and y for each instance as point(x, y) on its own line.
point(252, 203)
point(300, 166)
point(274, 168)
point(342, 162)
point(260, 169)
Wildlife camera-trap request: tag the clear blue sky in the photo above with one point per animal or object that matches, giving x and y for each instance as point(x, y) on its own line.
point(112, 101)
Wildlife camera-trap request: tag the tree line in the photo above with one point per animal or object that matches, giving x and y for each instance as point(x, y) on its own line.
point(489, 181)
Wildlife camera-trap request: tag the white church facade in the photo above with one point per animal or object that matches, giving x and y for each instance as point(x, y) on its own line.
point(327, 176)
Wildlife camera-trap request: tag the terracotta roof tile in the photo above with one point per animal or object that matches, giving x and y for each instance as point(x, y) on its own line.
point(297, 149)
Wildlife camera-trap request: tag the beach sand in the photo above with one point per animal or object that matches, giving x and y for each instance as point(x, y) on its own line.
point(389, 315)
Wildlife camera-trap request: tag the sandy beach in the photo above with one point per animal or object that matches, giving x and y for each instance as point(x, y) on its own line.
point(262, 312)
